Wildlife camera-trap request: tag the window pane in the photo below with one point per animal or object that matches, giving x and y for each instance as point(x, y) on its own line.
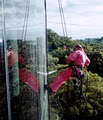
point(25, 59)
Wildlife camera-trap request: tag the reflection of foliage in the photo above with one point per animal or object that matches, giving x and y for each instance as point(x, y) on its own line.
point(23, 106)
point(3, 101)
point(28, 50)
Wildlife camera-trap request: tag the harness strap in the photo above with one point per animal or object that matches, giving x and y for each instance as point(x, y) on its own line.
point(74, 72)
point(80, 77)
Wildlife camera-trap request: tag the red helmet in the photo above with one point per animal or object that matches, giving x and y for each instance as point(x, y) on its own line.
point(77, 46)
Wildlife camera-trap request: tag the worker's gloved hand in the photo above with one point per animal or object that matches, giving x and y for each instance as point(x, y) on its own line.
point(71, 64)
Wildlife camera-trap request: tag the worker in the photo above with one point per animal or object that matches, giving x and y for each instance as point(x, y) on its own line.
point(76, 60)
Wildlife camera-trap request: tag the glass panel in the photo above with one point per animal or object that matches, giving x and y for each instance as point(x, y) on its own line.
point(25, 59)
point(3, 95)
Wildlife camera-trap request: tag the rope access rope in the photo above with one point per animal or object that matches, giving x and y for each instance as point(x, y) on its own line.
point(62, 18)
point(25, 25)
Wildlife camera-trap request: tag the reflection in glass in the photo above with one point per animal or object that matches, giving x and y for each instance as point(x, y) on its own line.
point(25, 57)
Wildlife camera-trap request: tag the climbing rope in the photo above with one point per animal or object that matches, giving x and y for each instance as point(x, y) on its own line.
point(62, 18)
point(25, 25)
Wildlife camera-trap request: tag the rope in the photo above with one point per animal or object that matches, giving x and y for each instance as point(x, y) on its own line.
point(86, 90)
point(86, 82)
point(81, 83)
point(6, 63)
point(62, 18)
point(24, 32)
point(86, 85)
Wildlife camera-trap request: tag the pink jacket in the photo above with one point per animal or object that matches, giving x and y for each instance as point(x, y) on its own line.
point(79, 57)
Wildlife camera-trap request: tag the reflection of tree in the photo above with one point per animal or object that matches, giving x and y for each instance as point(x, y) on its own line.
point(3, 101)
point(24, 105)
point(3, 94)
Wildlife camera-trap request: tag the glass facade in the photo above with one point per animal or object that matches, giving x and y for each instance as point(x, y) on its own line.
point(23, 60)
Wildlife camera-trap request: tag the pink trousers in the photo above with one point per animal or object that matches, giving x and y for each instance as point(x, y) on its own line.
point(60, 79)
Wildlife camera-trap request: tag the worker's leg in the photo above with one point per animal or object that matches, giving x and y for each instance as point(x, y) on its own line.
point(60, 79)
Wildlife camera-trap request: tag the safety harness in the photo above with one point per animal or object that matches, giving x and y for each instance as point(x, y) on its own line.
point(78, 82)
